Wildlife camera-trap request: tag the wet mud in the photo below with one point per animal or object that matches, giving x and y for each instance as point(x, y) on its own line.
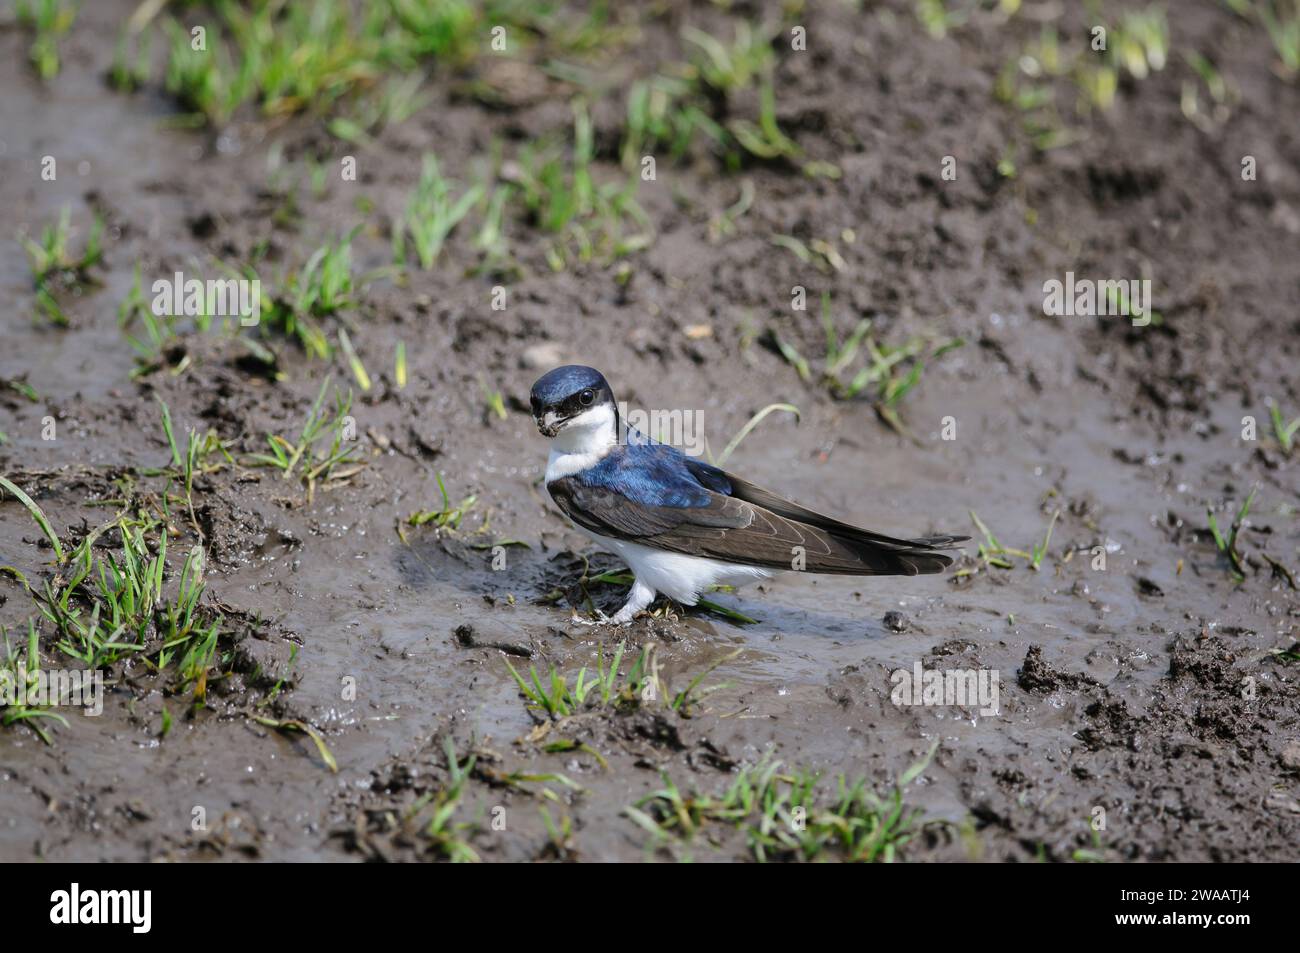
point(1158, 692)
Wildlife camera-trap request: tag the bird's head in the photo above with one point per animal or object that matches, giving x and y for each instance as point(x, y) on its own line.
point(576, 402)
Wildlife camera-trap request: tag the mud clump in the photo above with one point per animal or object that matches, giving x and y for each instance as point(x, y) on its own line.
point(1036, 675)
point(467, 638)
point(895, 622)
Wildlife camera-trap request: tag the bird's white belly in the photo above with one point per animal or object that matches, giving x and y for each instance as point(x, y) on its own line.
point(678, 576)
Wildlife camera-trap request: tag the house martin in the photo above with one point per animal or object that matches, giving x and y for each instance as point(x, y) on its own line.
point(683, 525)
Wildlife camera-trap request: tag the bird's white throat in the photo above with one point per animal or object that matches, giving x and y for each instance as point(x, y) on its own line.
point(583, 442)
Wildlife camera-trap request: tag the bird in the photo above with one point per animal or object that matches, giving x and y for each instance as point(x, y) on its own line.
point(683, 525)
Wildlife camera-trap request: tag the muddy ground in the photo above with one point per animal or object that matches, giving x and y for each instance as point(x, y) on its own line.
point(1158, 689)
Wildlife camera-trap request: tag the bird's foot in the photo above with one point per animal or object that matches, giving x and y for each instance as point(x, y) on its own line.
point(638, 599)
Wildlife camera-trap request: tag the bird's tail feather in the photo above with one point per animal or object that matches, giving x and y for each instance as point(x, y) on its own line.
point(876, 554)
point(856, 556)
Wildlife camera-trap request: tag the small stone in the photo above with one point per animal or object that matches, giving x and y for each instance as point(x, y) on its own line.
point(539, 356)
point(1291, 756)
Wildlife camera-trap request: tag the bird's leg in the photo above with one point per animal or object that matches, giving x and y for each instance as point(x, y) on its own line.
point(640, 597)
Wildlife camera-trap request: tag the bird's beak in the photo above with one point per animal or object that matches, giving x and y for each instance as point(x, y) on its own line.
point(548, 425)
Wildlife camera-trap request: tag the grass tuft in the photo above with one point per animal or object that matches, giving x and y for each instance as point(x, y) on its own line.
point(783, 817)
point(324, 444)
point(997, 556)
point(1281, 19)
point(431, 214)
point(553, 697)
point(54, 266)
point(1228, 545)
point(561, 196)
point(47, 20)
point(447, 516)
point(1284, 432)
point(24, 672)
point(890, 372)
point(556, 698)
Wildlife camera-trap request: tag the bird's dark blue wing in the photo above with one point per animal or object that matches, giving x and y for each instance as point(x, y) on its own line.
point(652, 474)
point(654, 495)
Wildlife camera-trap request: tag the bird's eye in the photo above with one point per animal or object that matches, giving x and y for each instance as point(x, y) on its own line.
point(586, 397)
